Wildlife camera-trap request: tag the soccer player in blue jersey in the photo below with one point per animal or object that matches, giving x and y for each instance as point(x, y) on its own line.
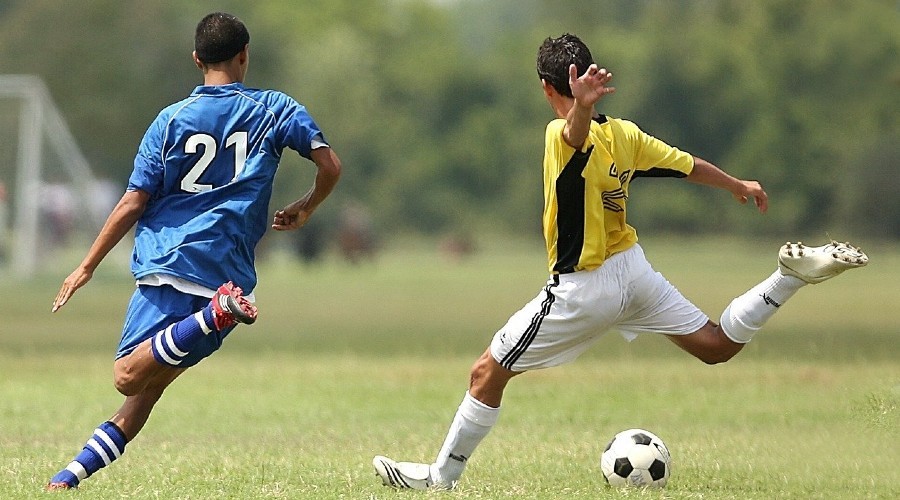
point(199, 196)
point(599, 277)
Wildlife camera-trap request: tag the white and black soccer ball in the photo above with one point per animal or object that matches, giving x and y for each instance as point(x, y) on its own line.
point(636, 457)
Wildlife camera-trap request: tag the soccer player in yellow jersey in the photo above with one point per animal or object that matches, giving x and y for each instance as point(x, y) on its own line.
point(599, 277)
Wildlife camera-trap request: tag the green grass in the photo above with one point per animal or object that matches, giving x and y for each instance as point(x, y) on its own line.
point(348, 362)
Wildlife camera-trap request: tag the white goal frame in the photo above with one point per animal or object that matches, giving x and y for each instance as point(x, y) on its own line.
point(39, 118)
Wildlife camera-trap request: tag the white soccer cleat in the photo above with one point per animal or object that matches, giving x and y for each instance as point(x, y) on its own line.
point(817, 264)
point(405, 475)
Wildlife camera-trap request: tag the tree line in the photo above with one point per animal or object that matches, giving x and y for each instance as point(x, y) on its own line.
point(436, 109)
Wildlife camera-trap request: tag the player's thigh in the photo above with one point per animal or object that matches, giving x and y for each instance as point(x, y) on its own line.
point(654, 305)
point(555, 327)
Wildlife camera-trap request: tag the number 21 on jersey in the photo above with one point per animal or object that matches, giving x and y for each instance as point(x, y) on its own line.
point(237, 139)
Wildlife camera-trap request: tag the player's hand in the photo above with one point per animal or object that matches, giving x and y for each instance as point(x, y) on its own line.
point(588, 88)
point(290, 218)
point(753, 189)
point(76, 280)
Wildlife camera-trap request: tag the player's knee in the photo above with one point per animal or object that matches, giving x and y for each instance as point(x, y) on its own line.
point(714, 358)
point(479, 373)
point(126, 385)
point(126, 381)
point(488, 377)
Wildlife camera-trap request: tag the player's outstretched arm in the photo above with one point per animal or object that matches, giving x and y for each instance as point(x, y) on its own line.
point(710, 175)
point(587, 89)
point(123, 217)
point(297, 213)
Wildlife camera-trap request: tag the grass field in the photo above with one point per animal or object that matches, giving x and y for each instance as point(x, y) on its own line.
point(351, 361)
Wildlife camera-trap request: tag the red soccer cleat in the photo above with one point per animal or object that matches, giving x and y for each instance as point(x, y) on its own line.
point(230, 307)
point(60, 485)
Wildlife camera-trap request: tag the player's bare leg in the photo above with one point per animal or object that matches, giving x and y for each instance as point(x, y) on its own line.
point(135, 372)
point(109, 440)
point(709, 344)
point(488, 379)
point(133, 413)
point(143, 374)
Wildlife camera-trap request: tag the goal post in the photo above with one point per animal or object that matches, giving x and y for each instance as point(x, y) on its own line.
point(39, 119)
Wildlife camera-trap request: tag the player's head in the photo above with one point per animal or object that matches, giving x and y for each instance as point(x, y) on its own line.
point(219, 37)
point(556, 55)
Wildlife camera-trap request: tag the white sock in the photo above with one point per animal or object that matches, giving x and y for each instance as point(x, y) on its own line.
point(746, 314)
point(473, 421)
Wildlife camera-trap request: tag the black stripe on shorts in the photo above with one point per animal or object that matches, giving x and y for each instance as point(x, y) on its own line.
point(531, 332)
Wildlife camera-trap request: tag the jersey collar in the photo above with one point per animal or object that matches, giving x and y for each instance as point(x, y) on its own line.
point(218, 89)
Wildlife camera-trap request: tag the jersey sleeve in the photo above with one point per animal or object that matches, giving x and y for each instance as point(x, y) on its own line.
point(299, 131)
point(655, 158)
point(147, 174)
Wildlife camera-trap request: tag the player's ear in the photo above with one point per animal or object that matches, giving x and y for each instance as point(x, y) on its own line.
point(548, 89)
point(197, 60)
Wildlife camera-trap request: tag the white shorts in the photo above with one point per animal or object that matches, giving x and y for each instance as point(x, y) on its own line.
point(574, 310)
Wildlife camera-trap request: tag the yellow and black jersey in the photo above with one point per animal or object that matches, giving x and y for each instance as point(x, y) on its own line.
point(585, 191)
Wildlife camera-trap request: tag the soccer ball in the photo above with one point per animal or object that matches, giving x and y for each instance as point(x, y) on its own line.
point(636, 458)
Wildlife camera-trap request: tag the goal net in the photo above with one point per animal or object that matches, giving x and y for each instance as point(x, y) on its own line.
point(50, 199)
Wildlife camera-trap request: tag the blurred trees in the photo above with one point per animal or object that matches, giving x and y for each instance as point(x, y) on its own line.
point(436, 110)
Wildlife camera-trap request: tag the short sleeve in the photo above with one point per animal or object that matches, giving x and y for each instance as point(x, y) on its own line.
point(656, 158)
point(299, 131)
point(147, 174)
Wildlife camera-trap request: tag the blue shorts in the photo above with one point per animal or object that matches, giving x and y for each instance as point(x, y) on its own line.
point(153, 308)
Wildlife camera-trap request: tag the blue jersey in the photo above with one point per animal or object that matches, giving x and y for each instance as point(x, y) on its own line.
point(208, 163)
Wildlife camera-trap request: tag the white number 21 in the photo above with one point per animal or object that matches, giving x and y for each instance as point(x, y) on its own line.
point(238, 140)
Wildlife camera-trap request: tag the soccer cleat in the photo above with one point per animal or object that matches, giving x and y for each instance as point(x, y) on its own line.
point(817, 264)
point(60, 485)
point(230, 307)
point(406, 475)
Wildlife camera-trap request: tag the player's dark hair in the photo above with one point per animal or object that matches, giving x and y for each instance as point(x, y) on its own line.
point(556, 55)
point(220, 37)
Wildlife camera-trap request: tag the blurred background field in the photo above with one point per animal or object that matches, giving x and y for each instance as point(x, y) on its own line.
point(349, 361)
point(436, 111)
point(415, 299)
